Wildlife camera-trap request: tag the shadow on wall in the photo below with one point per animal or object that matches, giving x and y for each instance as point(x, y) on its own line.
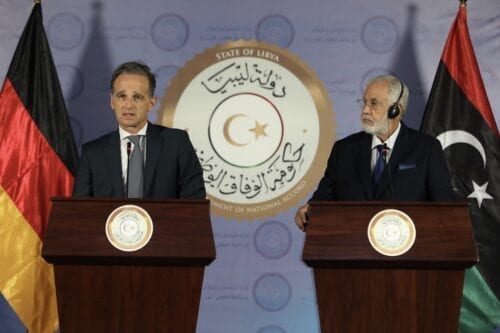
point(90, 112)
point(405, 66)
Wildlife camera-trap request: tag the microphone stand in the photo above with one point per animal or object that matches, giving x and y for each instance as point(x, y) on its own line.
point(385, 150)
point(129, 151)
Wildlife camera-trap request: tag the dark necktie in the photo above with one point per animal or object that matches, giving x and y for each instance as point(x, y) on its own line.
point(380, 164)
point(135, 169)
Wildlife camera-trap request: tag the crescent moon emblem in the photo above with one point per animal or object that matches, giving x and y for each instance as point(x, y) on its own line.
point(449, 138)
point(227, 136)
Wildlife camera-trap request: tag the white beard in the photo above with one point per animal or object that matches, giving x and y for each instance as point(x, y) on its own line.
point(378, 128)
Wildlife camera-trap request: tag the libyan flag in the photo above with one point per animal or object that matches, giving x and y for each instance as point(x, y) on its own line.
point(37, 161)
point(459, 115)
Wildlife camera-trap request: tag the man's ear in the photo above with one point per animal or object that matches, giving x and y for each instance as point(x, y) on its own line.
point(152, 103)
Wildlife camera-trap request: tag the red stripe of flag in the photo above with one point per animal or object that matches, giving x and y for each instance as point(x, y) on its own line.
point(31, 172)
point(462, 65)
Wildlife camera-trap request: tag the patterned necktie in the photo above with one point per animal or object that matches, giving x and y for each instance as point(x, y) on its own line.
point(380, 164)
point(135, 169)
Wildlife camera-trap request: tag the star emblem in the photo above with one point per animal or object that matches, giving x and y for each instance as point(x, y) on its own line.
point(480, 193)
point(259, 130)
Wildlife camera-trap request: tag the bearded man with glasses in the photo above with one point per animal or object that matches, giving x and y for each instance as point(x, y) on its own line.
point(387, 161)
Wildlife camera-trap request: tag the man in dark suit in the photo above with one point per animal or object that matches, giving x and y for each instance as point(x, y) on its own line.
point(170, 167)
point(387, 160)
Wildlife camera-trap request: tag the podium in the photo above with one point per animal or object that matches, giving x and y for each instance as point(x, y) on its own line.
point(360, 290)
point(154, 289)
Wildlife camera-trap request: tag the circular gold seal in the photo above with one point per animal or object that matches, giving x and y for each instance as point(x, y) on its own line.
point(261, 123)
point(129, 228)
point(391, 232)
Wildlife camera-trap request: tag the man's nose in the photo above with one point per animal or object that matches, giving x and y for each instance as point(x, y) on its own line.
point(129, 102)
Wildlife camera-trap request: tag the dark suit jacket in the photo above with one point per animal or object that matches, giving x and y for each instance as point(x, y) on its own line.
point(416, 171)
point(172, 169)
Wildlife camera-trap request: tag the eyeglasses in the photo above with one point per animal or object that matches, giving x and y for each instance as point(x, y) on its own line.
point(373, 104)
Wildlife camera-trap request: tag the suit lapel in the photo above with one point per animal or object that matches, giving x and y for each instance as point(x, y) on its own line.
point(153, 149)
point(112, 156)
point(363, 156)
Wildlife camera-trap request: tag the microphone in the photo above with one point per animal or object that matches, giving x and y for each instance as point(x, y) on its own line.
point(385, 151)
point(129, 151)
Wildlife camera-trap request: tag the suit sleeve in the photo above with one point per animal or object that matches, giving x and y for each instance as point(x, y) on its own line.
point(83, 180)
point(438, 181)
point(327, 187)
point(191, 183)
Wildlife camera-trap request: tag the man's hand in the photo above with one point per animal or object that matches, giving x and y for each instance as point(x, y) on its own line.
point(301, 218)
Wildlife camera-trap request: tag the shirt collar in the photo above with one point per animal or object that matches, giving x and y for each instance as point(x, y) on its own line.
point(124, 134)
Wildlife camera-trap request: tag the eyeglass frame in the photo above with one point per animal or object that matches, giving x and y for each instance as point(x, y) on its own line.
point(374, 104)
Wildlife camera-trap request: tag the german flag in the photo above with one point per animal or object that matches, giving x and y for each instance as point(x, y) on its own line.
point(459, 114)
point(38, 158)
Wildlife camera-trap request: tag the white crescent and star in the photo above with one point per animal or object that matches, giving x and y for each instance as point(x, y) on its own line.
point(449, 138)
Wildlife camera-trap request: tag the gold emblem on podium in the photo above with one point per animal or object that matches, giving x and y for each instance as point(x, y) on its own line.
point(391, 232)
point(129, 228)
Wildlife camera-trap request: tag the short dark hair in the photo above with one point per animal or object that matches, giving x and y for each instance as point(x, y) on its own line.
point(138, 68)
